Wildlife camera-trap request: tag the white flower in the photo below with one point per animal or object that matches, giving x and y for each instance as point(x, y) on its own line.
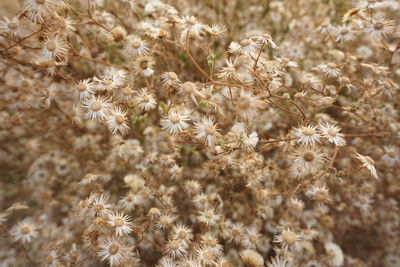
point(391, 155)
point(52, 259)
point(208, 217)
point(190, 28)
point(10, 27)
point(252, 257)
point(182, 232)
point(246, 46)
point(54, 47)
point(380, 27)
point(135, 46)
point(206, 129)
point(165, 221)
point(241, 138)
point(370, 4)
point(111, 79)
point(216, 30)
point(331, 132)
point(330, 69)
point(97, 108)
point(120, 222)
point(176, 248)
point(99, 206)
point(251, 237)
point(170, 79)
point(319, 193)
point(247, 105)
point(38, 9)
point(211, 241)
point(280, 261)
point(116, 120)
point(130, 149)
point(287, 62)
point(231, 71)
point(174, 122)
point(145, 100)
point(114, 250)
point(369, 163)
point(167, 262)
point(335, 254)
point(307, 160)
point(204, 256)
point(24, 231)
point(344, 34)
point(307, 135)
point(288, 239)
point(83, 89)
point(128, 201)
point(190, 89)
point(89, 178)
point(265, 38)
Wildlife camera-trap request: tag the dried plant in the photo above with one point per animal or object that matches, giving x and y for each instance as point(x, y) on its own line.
point(200, 133)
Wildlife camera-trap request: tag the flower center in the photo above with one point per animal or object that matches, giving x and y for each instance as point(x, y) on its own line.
point(144, 64)
point(321, 195)
point(12, 25)
point(146, 98)
point(235, 232)
point(98, 207)
point(289, 237)
point(113, 249)
point(212, 243)
point(175, 118)
point(50, 259)
point(119, 222)
point(136, 44)
point(309, 156)
point(95, 106)
point(308, 132)
point(344, 31)
point(209, 129)
point(392, 154)
point(208, 215)
point(332, 65)
point(332, 132)
point(245, 42)
point(81, 87)
point(164, 220)
point(172, 75)
point(40, 2)
point(174, 245)
point(74, 255)
point(119, 119)
point(51, 46)
point(25, 230)
point(378, 26)
point(182, 235)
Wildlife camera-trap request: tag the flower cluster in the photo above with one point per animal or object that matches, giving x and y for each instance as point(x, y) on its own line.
point(200, 133)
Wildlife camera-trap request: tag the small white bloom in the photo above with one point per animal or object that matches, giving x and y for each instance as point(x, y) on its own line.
point(174, 122)
point(24, 231)
point(145, 100)
point(207, 129)
point(120, 222)
point(97, 108)
point(307, 135)
point(331, 132)
point(117, 121)
point(369, 163)
point(111, 79)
